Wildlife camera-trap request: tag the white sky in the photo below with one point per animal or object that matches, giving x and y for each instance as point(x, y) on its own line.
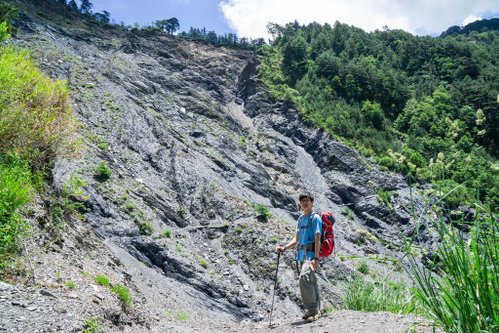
point(421, 17)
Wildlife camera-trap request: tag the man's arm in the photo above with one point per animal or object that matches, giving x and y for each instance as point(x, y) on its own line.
point(291, 243)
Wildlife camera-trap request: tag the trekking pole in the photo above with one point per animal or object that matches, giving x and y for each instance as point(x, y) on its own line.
point(275, 286)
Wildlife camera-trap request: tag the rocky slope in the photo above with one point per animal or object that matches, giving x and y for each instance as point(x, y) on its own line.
point(193, 141)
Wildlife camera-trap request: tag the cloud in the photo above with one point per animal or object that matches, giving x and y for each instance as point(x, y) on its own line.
point(422, 17)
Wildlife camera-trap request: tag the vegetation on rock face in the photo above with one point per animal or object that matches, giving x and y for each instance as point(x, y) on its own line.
point(423, 106)
point(36, 126)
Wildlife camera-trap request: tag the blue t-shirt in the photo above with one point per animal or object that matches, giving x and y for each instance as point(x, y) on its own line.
point(307, 227)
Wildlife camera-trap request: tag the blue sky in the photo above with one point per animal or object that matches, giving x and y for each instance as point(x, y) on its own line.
point(248, 18)
point(195, 13)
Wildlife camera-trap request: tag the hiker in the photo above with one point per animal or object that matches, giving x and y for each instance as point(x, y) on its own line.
point(308, 242)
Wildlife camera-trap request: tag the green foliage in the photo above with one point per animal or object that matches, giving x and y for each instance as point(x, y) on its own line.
point(262, 210)
point(328, 309)
point(364, 295)
point(15, 191)
point(348, 212)
point(384, 197)
point(91, 325)
point(123, 294)
point(4, 35)
point(363, 268)
point(146, 228)
point(181, 213)
point(433, 118)
point(70, 284)
point(8, 12)
point(169, 26)
point(460, 287)
point(102, 280)
point(179, 315)
point(166, 233)
point(36, 118)
point(203, 263)
point(102, 171)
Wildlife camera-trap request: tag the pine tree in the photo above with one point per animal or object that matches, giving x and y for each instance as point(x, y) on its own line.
point(72, 5)
point(86, 7)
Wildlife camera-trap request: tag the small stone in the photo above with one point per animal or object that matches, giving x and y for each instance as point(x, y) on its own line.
point(32, 308)
point(16, 303)
point(47, 293)
point(246, 287)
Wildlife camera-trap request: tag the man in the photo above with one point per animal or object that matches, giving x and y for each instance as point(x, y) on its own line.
point(308, 242)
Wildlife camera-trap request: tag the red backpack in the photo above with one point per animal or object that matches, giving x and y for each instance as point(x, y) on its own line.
point(327, 235)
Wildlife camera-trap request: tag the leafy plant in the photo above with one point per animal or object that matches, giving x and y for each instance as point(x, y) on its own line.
point(91, 325)
point(102, 280)
point(123, 294)
point(203, 263)
point(102, 171)
point(347, 211)
point(384, 197)
point(262, 210)
point(70, 284)
point(166, 233)
point(146, 228)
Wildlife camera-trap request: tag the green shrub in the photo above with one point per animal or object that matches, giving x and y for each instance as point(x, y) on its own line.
point(102, 171)
point(384, 197)
point(3, 32)
point(262, 210)
point(203, 263)
point(146, 228)
point(460, 288)
point(166, 233)
point(70, 284)
point(91, 325)
point(348, 212)
point(102, 280)
point(123, 294)
point(181, 213)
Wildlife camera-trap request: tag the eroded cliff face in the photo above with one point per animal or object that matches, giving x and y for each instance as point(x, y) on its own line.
point(194, 141)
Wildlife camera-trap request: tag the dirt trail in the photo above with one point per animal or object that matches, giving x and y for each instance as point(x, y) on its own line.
point(338, 322)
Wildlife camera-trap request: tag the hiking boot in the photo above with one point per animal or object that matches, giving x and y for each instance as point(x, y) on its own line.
point(314, 315)
point(310, 313)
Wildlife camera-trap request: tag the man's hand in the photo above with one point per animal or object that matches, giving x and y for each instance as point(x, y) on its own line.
point(314, 265)
point(280, 249)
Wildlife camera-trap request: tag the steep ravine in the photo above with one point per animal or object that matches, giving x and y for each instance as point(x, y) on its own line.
point(194, 140)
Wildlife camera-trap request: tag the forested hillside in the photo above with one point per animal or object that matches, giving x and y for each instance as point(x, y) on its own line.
point(423, 106)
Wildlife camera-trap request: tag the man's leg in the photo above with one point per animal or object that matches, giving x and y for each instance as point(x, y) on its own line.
point(309, 290)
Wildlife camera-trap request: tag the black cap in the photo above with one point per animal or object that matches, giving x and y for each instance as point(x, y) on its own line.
point(306, 195)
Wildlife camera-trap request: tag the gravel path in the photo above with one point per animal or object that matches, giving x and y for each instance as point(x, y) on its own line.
point(42, 310)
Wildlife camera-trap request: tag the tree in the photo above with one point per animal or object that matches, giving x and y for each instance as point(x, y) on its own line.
point(86, 7)
point(8, 11)
point(169, 26)
point(72, 5)
point(104, 17)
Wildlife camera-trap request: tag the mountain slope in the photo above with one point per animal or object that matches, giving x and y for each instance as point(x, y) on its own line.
point(188, 142)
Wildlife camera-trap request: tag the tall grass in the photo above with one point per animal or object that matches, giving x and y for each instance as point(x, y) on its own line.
point(371, 296)
point(15, 191)
point(36, 118)
point(460, 288)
